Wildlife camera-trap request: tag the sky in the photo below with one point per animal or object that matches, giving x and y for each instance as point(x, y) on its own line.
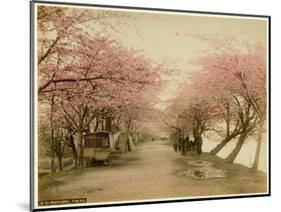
point(165, 37)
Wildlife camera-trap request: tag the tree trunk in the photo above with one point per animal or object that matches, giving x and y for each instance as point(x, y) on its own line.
point(128, 133)
point(231, 157)
point(102, 124)
point(80, 150)
point(60, 162)
point(259, 144)
point(199, 143)
point(53, 167)
point(183, 147)
point(217, 148)
point(180, 146)
point(74, 151)
point(108, 123)
point(128, 144)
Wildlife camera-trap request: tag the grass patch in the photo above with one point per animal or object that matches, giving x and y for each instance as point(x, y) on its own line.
point(58, 178)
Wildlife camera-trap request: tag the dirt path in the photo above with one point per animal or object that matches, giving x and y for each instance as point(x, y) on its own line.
point(153, 171)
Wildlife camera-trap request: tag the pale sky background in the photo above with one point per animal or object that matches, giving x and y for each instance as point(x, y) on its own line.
point(164, 37)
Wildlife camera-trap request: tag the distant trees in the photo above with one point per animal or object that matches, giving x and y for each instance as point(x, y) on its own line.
point(192, 113)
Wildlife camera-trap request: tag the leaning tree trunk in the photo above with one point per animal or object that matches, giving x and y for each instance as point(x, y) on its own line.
point(80, 149)
point(231, 157)
point(259, 144)
point(218, 148)
point(128, 148)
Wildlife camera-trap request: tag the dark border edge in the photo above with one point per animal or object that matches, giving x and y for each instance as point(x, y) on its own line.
point(269, 105)
point(150, 202)
point(32, 5)
point(31, 117)
point(149, 9)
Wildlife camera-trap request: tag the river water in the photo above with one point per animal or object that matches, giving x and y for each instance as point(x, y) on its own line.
point(247, 154)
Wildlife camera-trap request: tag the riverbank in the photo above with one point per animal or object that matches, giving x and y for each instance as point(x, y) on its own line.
point(247, 154)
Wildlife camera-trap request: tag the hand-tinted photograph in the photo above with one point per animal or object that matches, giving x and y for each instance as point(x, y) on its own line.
point(136, 105)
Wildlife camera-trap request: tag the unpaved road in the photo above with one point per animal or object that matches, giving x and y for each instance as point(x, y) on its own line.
point(151, 172)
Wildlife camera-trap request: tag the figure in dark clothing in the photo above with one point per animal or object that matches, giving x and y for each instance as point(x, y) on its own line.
point(182, 144)
point(175, 146)
point(192, 145)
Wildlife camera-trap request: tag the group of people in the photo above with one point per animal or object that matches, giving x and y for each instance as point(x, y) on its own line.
point(185, 144)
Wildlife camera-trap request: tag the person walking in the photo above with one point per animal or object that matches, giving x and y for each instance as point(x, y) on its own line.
point(175, 146)
point(182, 143)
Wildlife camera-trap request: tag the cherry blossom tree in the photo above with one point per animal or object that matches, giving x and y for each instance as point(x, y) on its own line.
point(93, 77)
point(56, 24)
point(236, 74)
